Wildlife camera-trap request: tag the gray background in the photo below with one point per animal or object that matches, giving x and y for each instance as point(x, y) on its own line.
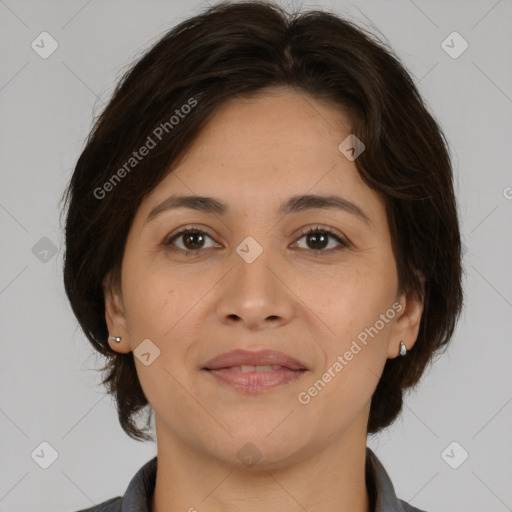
point(49, 388)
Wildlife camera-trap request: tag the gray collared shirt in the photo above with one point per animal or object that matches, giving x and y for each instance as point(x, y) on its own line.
point(137, 497)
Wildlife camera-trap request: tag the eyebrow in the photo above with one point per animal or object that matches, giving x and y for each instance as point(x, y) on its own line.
point(294, 204)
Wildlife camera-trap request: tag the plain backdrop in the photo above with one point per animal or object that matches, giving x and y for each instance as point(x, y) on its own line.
point(50, 391)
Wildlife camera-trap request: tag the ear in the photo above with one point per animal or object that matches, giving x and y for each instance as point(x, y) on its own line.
point(114, 315)
point(407, 321)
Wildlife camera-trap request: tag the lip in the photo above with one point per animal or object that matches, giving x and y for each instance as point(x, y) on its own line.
point(226, 369)
point(247, 358)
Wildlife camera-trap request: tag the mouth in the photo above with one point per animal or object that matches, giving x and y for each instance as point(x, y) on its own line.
point(254, 372)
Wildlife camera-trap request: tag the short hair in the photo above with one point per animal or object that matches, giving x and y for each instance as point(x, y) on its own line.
point(236, 50)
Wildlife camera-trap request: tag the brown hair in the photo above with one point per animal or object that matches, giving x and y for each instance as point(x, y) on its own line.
point(237, 49)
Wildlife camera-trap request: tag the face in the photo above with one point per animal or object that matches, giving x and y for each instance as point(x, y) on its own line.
point(249, 277)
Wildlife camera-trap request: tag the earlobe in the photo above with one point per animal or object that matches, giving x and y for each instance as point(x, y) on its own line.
point(114, 315)
point(407, 325)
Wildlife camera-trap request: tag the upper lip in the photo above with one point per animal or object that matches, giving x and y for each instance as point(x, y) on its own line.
point(247, 358)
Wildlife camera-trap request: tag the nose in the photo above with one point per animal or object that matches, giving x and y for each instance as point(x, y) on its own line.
point(256, 294)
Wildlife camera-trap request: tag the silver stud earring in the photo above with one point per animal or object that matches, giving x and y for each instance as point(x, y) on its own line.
point(403, 349)
point(117, 339)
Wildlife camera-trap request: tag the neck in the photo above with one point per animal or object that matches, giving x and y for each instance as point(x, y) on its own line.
point(332, 479)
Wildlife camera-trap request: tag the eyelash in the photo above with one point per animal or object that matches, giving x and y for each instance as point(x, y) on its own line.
point(317, 229)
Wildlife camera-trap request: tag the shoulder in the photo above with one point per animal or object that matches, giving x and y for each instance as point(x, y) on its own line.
point(111, 505)
point(137, 494)
point(409, 508)
point(381, 489)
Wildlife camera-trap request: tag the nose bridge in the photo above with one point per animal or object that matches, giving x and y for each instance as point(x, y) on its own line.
point(253, 277)
point(254, 292)
point(252, 269)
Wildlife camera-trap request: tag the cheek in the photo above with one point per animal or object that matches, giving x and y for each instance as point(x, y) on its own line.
point(160, 309)
point(361, 315)
point(165, 308)
point(355, 338)
point(350, 300)
point(146, 309)
point(354, 358)
point(156, 299)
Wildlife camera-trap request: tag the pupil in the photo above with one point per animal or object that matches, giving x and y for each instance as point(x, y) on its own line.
point(319, 239)
point(190, 236)
point(316, 236)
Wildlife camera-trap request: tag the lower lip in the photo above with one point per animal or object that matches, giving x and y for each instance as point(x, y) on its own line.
point(255, 382)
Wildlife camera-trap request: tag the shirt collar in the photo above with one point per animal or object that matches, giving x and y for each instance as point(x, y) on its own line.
point(380, 488)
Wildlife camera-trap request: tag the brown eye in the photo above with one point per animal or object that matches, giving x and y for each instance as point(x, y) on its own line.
point(191, 239)
point(317, 239)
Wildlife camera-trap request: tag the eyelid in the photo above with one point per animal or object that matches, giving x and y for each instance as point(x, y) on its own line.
point(341, 239)
point(325, 229)
point(186, 229)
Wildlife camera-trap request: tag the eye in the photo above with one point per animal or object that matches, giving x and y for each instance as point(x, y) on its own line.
point(319, 237)
point(193, 239)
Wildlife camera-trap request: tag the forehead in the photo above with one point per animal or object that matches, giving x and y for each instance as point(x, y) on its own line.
point(258, 151)
point(282, 127)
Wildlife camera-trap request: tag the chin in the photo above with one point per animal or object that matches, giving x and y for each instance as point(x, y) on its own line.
point(259, 451)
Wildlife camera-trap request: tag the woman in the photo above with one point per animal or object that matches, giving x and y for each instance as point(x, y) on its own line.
point(262, 239)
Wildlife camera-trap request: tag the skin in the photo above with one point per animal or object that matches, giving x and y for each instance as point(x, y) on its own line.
point(255, 153)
